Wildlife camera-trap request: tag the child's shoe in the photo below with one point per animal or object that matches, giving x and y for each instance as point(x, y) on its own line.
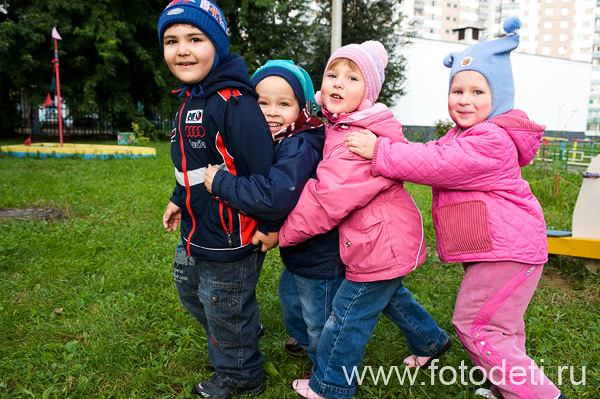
point(486, 393)
point(213, 388)
point(301, 387)
point(293, 348)
point(425, 361)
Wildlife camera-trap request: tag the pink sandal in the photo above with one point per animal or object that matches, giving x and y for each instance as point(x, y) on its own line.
point(301, 387)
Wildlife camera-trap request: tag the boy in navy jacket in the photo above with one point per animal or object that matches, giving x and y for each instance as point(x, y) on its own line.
point(219, 122)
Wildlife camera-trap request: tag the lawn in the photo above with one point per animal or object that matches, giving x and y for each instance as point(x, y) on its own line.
point(88, 307)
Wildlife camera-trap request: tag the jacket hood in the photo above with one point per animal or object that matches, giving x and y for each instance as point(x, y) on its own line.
point(230, 73)
point(525, 133)
point(377, 119)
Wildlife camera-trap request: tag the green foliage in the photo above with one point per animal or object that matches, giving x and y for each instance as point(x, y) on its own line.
point(88, 308)
point(110, 57)
point(144, 129)
point(109, 54)
point(364, 20)
point(442, 126)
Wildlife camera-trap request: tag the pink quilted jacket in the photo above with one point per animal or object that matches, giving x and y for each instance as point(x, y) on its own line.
point(483, 210)
point(380, 227)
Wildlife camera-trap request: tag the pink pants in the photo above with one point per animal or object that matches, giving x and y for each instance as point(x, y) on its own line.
point(488, 318)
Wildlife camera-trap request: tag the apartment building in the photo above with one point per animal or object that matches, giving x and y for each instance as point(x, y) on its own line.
point(568, 29)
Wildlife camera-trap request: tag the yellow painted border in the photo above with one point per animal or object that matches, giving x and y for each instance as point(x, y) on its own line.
point(84, 150)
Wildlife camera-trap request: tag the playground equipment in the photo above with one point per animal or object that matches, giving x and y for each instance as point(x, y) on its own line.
point(579, 152)
point(584, 239)
point(86, 151)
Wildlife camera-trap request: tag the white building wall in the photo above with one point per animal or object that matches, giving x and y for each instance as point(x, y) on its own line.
point(552, 91)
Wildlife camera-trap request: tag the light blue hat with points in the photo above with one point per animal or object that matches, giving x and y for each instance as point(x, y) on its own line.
point(492, 60)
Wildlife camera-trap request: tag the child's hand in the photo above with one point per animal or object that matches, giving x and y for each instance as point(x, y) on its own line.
point(209, 176)
point(268, 241)
point(172, 217)
point(361, 143)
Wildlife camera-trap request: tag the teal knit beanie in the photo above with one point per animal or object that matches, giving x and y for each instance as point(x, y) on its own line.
point(296, 77)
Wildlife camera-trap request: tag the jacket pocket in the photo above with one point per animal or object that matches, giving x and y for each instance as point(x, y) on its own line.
point(464, 227)
point(359, 246)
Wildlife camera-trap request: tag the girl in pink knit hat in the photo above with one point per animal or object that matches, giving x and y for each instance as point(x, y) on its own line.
point(380, 229)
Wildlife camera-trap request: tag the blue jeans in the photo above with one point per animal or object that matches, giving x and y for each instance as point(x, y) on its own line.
point(356, 307)
point(306, 306)
point(222, 297)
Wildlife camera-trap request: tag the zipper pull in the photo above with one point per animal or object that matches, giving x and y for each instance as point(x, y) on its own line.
point(229, 240)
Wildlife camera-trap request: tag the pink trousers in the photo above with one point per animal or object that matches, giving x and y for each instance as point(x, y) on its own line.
point(488, 318)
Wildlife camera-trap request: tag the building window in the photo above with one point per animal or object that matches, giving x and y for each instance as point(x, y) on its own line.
point(549, 12)
point(545, 50)
point(563, 37)
point(564, 11)
point(547, 38)
point(564, 24)
point(548, 24)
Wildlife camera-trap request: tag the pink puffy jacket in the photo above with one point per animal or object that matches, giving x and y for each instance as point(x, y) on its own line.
point(380, 227)
point(483, 210)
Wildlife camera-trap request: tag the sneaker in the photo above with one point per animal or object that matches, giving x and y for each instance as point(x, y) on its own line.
point(213, 388)
point(293, 348)
point(486, 393)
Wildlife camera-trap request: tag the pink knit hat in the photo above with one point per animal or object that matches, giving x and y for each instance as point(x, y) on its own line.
point(371, 58)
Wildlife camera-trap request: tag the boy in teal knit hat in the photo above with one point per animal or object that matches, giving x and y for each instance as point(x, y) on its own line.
point(313, 270)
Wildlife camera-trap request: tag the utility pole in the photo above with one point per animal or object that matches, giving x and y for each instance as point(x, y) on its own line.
point(336, 24)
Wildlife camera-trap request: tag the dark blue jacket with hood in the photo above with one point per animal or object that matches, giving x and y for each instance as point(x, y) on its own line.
point(219, 123)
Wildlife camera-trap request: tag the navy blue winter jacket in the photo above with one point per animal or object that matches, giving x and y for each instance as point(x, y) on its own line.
point(271, 198)
point(219, 123)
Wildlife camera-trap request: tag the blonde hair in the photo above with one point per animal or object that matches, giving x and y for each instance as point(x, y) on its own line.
point(348, 62)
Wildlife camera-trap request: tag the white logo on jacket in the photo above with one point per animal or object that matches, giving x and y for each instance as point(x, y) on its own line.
point(194, 116)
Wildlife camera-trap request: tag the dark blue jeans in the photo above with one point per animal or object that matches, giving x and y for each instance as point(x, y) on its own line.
point(222, 297)
point(356, 307)
point(306, 306)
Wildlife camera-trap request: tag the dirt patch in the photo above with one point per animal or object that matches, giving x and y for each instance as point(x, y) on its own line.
point(30, 214)
point(555, 279)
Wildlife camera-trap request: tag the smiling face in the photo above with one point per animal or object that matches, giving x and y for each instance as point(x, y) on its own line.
point(470, 99)
point(343, 87)
point(188, 52)
point(277, 102)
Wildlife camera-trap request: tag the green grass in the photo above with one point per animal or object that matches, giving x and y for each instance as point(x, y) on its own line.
point(88, 308)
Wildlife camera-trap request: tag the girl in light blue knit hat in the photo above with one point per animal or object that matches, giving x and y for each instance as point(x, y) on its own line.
point(484, 212)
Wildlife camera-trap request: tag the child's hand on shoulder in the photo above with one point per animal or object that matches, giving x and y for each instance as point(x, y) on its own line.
point(361, 143)
point(209, 176)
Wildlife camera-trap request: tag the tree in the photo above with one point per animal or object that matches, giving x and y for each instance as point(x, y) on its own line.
point(110, 59)
point(364, 20)
point(109, 56)
point(260, 30)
